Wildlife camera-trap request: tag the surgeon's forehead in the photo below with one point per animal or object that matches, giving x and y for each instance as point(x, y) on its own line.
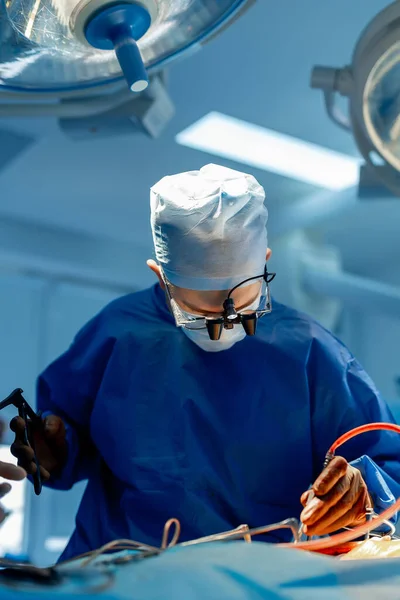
point(212, 301)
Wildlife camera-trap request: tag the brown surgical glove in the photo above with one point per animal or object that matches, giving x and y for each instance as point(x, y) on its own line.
point(50, 445)
point(341, 499)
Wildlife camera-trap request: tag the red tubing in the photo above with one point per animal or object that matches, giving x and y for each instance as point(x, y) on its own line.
point(348, 536)
point(362, 429)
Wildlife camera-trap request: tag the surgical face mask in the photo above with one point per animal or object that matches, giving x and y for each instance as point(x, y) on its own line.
point(229, 337)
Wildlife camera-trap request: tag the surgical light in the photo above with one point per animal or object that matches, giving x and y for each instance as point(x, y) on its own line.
point(272, 151)
point(372, 85)
point(65, 49)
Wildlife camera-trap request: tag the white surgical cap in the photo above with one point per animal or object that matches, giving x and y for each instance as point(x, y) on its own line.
point(209, 228)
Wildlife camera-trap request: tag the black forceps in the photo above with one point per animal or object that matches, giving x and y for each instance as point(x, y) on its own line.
point(26, 412)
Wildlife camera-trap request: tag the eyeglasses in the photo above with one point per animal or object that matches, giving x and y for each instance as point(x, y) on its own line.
point(230, 316)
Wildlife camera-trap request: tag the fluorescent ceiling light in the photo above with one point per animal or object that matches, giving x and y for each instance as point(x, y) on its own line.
point(269, 150)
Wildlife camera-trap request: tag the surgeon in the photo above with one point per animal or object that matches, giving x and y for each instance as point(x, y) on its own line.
point(202, 399)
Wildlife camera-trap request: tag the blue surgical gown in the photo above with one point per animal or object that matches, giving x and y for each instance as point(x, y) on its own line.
point(162, 429)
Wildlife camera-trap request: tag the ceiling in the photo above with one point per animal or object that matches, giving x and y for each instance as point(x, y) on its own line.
point(258, 70)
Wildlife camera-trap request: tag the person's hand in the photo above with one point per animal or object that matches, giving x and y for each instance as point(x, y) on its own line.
point(8, 471)
point(50, 445)
point(341, 499)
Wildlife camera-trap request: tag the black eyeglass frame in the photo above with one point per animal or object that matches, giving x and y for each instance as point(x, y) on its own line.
point(230, 317)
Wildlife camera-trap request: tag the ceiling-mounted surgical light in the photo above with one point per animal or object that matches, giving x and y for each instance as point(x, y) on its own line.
point(372, 85)
point(82, 50)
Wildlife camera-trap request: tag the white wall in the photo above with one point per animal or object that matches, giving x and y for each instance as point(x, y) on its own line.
point(375, 340)
point(20, 327)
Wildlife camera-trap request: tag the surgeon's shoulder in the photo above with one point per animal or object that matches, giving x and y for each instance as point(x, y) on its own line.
point(300, 331)
point(122, 315)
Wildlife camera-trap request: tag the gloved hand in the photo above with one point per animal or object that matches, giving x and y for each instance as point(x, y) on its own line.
point(50, 445)
point(341, 499)
point(14, 473)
